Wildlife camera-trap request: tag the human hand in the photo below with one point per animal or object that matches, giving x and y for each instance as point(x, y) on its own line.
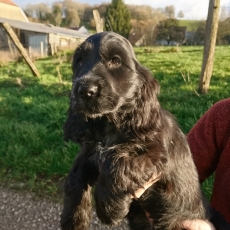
point(198, 225)
point(152, 180)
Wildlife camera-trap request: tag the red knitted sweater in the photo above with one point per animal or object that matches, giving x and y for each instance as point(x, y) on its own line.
point(209, 141)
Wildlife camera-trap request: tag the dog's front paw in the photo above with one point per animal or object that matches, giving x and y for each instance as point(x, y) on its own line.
point(111, 208)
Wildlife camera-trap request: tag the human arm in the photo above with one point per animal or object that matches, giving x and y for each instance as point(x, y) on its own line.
point(208, 138)
point(209, 142)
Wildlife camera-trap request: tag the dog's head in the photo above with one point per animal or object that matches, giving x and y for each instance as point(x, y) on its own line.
point(106, 76)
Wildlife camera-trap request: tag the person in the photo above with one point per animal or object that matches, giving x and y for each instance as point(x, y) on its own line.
point(209, 141)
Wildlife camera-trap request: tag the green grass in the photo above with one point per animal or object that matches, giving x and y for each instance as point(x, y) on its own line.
point(33, 155)
point(32, 112)
point(178, 74)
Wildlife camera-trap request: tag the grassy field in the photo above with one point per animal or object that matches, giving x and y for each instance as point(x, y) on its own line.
point(33, 155)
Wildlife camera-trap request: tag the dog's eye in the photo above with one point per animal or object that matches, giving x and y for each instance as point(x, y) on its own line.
point(116, 61)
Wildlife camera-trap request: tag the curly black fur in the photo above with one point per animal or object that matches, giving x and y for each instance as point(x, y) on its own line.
point(125, 137)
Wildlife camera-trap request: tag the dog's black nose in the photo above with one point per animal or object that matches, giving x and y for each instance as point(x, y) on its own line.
point(88, 90)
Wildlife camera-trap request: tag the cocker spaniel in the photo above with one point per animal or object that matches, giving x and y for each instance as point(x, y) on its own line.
point(125, 137)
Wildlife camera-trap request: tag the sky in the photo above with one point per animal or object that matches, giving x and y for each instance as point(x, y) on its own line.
point(193, 9)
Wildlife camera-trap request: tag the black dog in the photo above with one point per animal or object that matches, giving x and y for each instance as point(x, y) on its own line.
point(125, 137)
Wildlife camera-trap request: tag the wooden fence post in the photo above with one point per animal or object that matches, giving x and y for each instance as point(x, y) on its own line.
point(21, 49)
point(209, 45)
point(42, 49)
point(98, 21)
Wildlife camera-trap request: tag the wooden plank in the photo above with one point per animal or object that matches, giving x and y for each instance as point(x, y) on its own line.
point(21, 49)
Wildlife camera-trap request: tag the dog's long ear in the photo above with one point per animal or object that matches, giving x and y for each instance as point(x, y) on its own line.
point(77, 57)
point(79, 128)
point(151, 86)
point(75, 127)
point(147, 107)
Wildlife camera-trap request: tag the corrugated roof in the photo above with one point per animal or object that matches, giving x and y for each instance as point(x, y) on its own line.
point(42, 28)
point(9, 2)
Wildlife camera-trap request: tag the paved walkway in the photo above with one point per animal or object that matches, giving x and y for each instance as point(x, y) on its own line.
point(22, 211)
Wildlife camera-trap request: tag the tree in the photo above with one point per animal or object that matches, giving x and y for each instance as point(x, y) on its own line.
point(38, 11)
point(102, 9)
point(180, 14)
point(224, 13)
point(199, 35)
point(41, 11)
point(87, 14)
point(209, 45)
point(142, 32)
point(170, 31)
point(29, 10)
point(223, 33)
point(71, 18)
point(73, 11)
point(144, 19)
point(57, 14)
point(117, 18)
point(142, 12)
point(170, 11)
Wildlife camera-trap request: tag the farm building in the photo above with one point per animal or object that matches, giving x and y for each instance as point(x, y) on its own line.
point(10, 10)
point(39, 39)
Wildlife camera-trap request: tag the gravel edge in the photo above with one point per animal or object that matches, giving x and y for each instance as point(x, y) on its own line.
point(24, 211)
